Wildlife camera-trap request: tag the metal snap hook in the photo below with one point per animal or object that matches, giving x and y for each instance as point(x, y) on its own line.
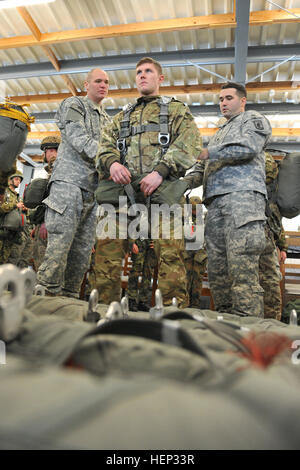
point(29, 278)
point(92, 315)
point(12, 302)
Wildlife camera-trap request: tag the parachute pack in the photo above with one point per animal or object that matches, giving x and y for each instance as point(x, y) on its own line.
point(13, 221)
point(14, 126)
point(288, 192)
point(35, 192)
point(167, 379)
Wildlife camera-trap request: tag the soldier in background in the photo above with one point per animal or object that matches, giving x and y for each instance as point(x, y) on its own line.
point(71, 208)
point(234, 191)
point(269, 269)
point(154, 158)
point(39, 234)
point(195, 263)
point(11, 240)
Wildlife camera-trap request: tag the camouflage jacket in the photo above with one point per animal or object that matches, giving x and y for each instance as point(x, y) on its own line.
point(143, 150)
point(274, 219)
point(80, 122)
point(236, 158)
point(10, 201)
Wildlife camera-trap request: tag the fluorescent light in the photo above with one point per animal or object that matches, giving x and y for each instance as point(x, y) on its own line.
point(21, 3)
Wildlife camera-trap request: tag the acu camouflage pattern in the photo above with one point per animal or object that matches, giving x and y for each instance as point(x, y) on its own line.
point(71, 223)
point(143, 264)
point(143, 150)
point(80, 122)
point(236, 158)
point(235, 239)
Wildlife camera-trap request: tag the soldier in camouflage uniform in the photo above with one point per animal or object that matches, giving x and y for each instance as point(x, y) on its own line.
point(143, 264)
point(234, 192)
point(71, 208)
point(152, 165)
point(10, 202)
point(49, 145)
point(195, 264)
point(269, 269)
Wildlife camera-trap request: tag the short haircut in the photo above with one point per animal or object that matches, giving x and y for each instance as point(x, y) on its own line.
point(149, 60)
point(240, 89)
point(90, 73)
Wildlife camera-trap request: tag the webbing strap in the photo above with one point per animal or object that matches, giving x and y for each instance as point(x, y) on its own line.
point(7, 111)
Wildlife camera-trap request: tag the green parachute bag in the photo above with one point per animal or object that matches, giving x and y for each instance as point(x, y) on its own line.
point(14, 221)
point(36, 191)
point(14, 127)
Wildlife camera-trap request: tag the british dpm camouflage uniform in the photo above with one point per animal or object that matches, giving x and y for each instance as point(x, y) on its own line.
point(144, 155)
point(234, 192)
point(71, 209)
point(195, 264)
point(139, 278)
point(9, 239)
point(269, 269)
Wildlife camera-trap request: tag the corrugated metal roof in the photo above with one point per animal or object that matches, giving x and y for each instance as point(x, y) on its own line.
point(66, 15)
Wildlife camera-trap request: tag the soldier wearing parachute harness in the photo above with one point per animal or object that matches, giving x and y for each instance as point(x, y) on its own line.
point(143, 153)
point(49, 145)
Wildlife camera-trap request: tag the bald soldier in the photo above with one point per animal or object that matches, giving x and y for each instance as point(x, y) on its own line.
point(71, 209)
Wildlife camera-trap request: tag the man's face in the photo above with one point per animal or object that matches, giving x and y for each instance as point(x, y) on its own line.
point(230, 103)
point(148, 80)
point(97, 86)
point(50, 155)
point(16, 181)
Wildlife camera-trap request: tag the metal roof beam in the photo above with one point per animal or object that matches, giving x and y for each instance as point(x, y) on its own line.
point(241, 40)
point(203, 110)
point(274, 53)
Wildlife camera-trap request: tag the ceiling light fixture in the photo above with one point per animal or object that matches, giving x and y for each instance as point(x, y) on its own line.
point(21, 3)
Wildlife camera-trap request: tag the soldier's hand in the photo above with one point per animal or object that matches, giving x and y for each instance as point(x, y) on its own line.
point(150, 183)
point(203, 155)
point(135, 249)
point(119, 173)
point(43, 233)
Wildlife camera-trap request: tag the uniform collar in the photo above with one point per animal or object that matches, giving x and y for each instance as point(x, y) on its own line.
point(93, 105)
point(147, 99)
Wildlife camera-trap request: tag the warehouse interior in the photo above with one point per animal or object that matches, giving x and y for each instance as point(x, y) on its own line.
point(47, 47)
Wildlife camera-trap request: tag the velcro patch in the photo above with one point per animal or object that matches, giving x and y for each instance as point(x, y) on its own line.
point(259, 124)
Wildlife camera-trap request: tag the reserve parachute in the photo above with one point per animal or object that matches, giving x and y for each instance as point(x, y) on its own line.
point(35, 192)
point(288, 192)
point(14, 126)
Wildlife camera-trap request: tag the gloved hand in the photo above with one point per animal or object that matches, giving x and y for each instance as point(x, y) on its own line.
point(43, 234)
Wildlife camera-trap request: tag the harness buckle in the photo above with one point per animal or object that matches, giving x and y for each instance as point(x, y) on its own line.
point(121, 145)
point(163, 139)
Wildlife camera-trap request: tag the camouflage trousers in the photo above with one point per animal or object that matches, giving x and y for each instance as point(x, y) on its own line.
point(235, 239)
point(71, 222)
point(171, 270)
point(269, 278)
point(21, 254)
point(195, 265)
point(39, 248)
point(140, 275)
point(5, 250)
point(105, 275)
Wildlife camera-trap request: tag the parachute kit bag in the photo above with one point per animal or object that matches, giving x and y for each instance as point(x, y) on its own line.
point(288, 193)
point(14, 127)
point(14, 221)
point(35, 192)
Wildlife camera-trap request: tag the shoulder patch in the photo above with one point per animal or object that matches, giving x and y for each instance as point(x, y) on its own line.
point(259, 125)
